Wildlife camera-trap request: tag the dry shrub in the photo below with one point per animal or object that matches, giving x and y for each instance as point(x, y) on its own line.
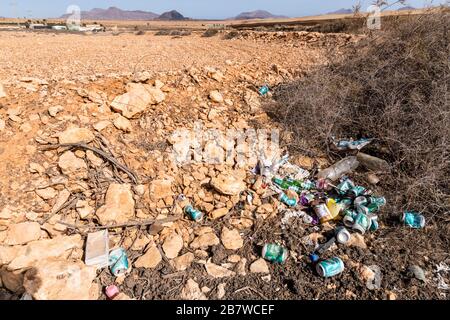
point(392, 86)
point(210, 33)
point(231, 35)
point(163, 33)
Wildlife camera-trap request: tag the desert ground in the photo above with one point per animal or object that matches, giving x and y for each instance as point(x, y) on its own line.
point(89, 89)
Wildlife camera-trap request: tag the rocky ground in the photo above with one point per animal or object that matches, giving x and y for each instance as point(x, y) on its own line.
point(87, 141)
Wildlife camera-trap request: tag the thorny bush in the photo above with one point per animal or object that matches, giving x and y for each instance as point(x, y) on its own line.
point(392, 86)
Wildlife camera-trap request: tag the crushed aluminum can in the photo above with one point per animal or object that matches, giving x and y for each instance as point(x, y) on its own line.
point(306, 198)
point(342, 235)
point(374, 226)
point(352, 144)
point(358, 191)
point(274, 253)
point(308, 219)
point(345, 186)
point(288, 201)
point(118, 261)
point(362, 223)
point(349, 217)
point(330, 268)
point(195, 215)
point(263, 90)
point(413, 219)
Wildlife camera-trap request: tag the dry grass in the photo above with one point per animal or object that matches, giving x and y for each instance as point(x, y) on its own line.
point(394, 87)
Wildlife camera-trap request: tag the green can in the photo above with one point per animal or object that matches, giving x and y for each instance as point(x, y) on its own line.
point(345, 186)
point(330, 268)
point(358, 191)
point(362, 223)
point(274, 253)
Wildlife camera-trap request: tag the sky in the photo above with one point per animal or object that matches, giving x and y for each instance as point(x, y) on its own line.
point(197, 9)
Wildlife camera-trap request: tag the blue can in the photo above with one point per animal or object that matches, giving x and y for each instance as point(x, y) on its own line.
point(413, 219)
point(118, 261)
point(330, 268)
point(195, 215)
point(263, 90)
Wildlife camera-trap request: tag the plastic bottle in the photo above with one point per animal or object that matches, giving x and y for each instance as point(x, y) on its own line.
point(339, 169)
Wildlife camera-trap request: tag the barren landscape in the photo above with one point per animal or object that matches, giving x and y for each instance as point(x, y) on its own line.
point(87, 142)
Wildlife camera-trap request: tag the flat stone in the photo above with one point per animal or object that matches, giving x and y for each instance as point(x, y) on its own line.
point(173, 245)
point(21, 257)
point(160, 189)
point(204, 241)
point(123, 124)
point(219, 213)
point(150, 259)
point(191, 291)
point(216, 271)
point(76, 135)
point(47, 193)
point(259, 266)
point(2, 91)
point(119, 205)
point(231, 239)
point(72, 166)
point(216, 96)
point(183, 262)
point(22, 233)
point(228, 184)
point(53, 279)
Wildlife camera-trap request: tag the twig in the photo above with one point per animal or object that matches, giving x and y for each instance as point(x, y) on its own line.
point(124, 225)
point(251, 289)
point(103, 154)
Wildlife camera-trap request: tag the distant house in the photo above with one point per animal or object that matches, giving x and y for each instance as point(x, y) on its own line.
point(59, 28)
point(39, 26)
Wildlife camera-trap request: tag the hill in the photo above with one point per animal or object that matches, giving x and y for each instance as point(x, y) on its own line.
point(114, 13)
point(341, 11)
point(257, 14)
point(171, 16)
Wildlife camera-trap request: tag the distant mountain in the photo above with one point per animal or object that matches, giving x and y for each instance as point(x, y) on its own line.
point(406, 8)
point(114, 13)
point(171, 15)
point(341, 11)
point(258, 14)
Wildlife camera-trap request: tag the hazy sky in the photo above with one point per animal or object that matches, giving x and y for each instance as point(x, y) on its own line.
point(211, 9)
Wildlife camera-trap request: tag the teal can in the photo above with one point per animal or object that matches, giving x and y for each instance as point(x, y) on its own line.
point(274, 253)
point(263, 90)
point(195, 215)
point(413, 219)
point(288, 201)
point(330, 268)
point(379, 201)
point(362, 223)
point(118, 261)
point(374, 226)
point(345, 186)
point(358, 191)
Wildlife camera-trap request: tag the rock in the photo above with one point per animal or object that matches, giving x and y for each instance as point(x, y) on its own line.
point(138, 97)
point(373, 178)
point(173, 245)
point(150, 259)
point(240, 267)
point(36, 168)
point(123, 124)
point(2, 124)
point(119, 205)
point(20, 257)
point(216, 271)
point(76, 135)
point(2, 92)
point(231, 239)
point(228, 184)
point(47, 193)
point(62, 198)
point(213, 114)
point(12, 280)
point(251, 98)
point(22, 233)
point(191, 291)
point(204, 241)
point(216, 96)
point(221, 290)
point(234, 258)
point(391, 296)
point(101, 125)
point(219, 213)
point(53, 111)
point(259, 266)
point(72, 166)
point(61, 280)
point(373, 163)
point(357, 240)
point(417, 272)
point(160, 189)
point(84, 209)
point(183, 262)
